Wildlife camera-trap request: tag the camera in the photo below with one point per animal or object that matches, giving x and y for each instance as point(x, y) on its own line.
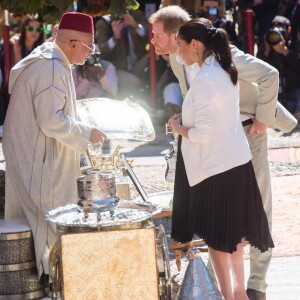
point(212, 11)
point(93, 59)
point(274, 36)
point(116, 18)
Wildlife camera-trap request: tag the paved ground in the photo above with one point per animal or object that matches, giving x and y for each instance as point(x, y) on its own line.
point(284, 274)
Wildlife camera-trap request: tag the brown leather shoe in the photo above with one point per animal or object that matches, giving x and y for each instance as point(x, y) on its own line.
point(255, 295)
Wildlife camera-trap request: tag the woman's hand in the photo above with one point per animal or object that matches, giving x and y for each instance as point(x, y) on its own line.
point(174, 122)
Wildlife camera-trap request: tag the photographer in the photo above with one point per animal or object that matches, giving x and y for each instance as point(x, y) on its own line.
point(279, 53)
point(96, 78)
point(122, 40)
point(212, 10)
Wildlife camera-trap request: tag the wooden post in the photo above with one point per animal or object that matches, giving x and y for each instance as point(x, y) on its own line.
point(249, 31)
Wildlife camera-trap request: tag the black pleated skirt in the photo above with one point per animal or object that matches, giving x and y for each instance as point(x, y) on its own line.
point(222, 209)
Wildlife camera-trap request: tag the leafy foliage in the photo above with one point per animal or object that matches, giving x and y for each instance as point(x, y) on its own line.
point(50, 11)
point(120, 8)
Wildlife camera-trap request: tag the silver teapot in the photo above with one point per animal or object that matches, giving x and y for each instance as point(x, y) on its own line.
point(171, 157)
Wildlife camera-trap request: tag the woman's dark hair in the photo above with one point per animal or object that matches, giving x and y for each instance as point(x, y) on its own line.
point(22, 38)
point(215, 41)
point(82, 70)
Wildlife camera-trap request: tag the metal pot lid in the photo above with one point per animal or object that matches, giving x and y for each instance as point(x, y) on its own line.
point(118, 119)
point(126, 212)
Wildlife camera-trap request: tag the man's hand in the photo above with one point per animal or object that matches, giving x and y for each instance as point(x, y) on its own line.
point(281, 48)
point(257, 127)
point(117, 27)
point(130, 21)
point(97, 136)
point(267, 49)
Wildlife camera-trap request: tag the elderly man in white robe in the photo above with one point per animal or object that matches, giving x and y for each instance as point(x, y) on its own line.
point(44, 136)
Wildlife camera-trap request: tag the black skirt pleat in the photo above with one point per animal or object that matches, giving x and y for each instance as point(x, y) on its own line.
point(179, 230)
point(222, 209)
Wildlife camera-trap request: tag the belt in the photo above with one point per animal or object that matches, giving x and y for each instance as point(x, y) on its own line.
point(247, 122)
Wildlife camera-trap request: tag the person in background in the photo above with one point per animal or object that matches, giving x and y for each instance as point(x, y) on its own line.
point(285, 8)
point(53, 33)
point(168, 88)
point(189, 5)
point(122, 40)
point(295, 27)
point(264, 12)
point(2, 100)
point(96, 78)
point(3, 96)
point(44, 137)
point(259, 109)
point(31, 35)
point(211, 9)
point(284, 55)
point(210, 120)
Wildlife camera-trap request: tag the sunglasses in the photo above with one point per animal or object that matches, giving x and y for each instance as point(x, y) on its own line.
point(34, 29)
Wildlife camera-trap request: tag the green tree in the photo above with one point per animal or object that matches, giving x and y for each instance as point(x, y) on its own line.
point(51, 10)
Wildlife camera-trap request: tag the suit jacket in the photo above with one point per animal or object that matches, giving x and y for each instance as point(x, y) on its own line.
point(211, 111)
point(258, 89)
point(117, 55)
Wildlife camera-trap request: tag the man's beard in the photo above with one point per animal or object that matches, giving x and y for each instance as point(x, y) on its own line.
point(166, 50)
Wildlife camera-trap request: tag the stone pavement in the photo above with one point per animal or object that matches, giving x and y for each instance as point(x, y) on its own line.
point(284, 274)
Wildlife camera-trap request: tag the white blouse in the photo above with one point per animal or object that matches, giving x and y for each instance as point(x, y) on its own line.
point(217, 141)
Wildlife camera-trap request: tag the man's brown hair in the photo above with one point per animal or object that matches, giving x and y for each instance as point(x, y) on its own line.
point(172, 17)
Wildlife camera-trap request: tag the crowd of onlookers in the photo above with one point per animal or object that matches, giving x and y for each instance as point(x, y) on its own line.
point(119, 68)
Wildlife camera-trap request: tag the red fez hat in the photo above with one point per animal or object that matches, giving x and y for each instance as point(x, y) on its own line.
point(77, 21)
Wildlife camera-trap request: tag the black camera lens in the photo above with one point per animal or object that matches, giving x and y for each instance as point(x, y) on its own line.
point(117, 18)
point(93, 59)
point(274, 36)
point(90, 61)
